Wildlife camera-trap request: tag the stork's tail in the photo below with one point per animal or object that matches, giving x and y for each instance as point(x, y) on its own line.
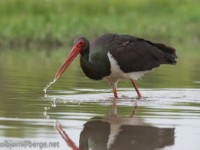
point(169, 53)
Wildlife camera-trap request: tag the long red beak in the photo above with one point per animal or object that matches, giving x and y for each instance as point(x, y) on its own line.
point(72, 54)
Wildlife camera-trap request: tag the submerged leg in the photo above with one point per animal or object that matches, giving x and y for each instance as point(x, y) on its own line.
point(136, 89)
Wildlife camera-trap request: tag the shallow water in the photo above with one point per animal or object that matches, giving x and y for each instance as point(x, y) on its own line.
point(167, 117)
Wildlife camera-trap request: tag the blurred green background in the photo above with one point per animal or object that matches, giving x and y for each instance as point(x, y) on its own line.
point(51, 22)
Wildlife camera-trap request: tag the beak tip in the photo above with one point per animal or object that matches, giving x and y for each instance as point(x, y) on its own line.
point(55, 78)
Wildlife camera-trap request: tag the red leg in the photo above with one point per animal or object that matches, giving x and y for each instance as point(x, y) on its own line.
point(136, 89)
point(114, 91)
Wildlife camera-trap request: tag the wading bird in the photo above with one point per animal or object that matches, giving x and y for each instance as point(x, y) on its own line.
point(115, 57)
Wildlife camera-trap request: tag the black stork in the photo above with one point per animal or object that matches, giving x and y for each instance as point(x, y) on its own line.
point(115, 57)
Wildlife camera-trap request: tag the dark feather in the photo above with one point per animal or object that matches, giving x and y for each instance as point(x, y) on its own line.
point(131, 53)
point(135, 54)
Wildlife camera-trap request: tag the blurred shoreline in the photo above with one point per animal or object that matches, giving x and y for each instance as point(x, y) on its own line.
point(48, 23)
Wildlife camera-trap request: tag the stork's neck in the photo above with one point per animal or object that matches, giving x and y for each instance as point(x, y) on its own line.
point(92, 69)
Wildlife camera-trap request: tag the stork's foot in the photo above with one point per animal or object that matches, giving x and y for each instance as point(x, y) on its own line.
point(115, 91)
point(115, 95)
point(139, 97)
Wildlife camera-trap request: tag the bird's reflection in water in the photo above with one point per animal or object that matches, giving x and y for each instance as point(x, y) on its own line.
point(115, 132)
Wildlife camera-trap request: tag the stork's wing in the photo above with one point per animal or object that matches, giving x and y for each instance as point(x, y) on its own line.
point(134, 54)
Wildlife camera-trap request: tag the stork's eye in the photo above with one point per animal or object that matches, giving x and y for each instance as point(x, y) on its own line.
point(80, 43)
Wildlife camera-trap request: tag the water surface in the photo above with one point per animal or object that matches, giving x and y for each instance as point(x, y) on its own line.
point(167, 117)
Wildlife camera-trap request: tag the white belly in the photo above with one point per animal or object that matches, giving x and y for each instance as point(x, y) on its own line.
point(117, 73)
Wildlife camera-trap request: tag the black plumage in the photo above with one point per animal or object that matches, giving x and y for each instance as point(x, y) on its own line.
point(131, 53)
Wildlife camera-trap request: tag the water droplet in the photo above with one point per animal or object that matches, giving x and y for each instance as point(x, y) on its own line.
point(48, 85)
point(46, 108)
point(56, 124)
point(45, 112)
point(53, 104)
